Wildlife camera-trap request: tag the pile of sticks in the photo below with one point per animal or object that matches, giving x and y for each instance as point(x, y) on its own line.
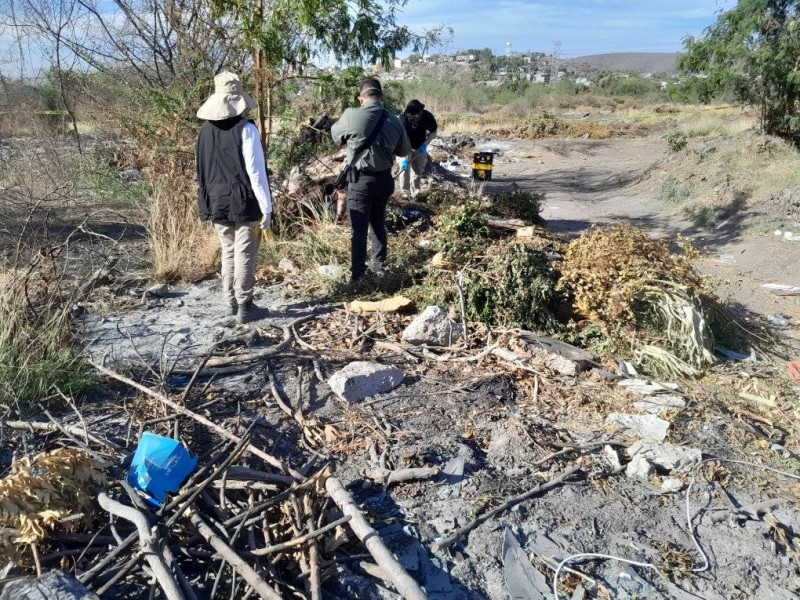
point(244, 525)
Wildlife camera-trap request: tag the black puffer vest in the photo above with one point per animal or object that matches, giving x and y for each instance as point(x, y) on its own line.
point(225, 192)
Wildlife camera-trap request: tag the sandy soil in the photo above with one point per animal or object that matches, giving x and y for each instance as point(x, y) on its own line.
point(589, 182)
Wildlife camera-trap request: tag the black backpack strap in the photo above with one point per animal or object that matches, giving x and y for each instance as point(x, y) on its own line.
point(371, 139)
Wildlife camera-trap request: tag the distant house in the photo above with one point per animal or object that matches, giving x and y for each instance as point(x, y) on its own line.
point(398, 63)
point(584, 81)
point(466, 58)
point(541, 77)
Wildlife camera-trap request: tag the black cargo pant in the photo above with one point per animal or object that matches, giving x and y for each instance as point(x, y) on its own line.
point(366, 203)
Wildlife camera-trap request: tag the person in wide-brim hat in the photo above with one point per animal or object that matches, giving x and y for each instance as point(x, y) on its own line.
point(234, 190)
point(228, 100)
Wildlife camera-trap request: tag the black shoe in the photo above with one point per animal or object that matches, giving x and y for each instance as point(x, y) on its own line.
point(233, 308)
point(249, 312)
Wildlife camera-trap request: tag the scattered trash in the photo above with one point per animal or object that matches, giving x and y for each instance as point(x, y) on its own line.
point(728, 259)
point(787, 235)
point(782, 290)
point(778, 320)
point(732, 355)
point(160, 466)
point(160, 290)
point(557, 355)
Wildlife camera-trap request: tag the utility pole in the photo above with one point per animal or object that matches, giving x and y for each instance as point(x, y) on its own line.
point(554, 67)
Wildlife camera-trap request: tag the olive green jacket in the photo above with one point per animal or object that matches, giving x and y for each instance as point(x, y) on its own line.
point(355, 125)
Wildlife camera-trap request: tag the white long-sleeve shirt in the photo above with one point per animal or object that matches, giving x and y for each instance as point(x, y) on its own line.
point(256, 167)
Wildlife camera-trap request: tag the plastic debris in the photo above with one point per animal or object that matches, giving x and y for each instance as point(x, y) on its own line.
point(782, 290)
point(778, 320)
point(160, 466)
point(793, 369)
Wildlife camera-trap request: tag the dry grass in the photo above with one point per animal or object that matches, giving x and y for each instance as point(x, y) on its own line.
point(183, 248)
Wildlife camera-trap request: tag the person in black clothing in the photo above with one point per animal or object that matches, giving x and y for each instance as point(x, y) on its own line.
point(233, 190)
point(421, 128)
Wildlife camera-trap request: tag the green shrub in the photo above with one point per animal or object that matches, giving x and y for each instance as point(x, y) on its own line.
point(672, 192)
point(676, 142)
point(515, 288)
point(519, 205)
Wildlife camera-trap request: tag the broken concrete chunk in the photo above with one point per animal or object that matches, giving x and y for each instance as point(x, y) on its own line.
point(645, 426)
point(658, 405)
point(612, 457)
point(362, 379)
point(558, 356)
point(667, 456)
point(671, 485)
point(522, 579)
point(640, 468)
point(52, 585)
point(433, 327)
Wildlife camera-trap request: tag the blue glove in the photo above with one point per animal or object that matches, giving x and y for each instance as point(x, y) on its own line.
point(423, 149)
point(404, 164)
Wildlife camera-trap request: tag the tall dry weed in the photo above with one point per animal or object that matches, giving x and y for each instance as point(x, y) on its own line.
point(183, 248)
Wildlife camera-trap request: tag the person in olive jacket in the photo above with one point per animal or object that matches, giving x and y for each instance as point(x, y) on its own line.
point(234, 190)
point(368, 196)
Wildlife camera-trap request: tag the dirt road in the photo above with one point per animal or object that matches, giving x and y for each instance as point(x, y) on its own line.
point(590, 182)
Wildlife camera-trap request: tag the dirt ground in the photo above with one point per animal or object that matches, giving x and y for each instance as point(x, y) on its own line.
point(590, 182)
point(493, 429)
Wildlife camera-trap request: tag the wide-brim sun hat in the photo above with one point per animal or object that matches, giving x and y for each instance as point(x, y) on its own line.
point(228, 100)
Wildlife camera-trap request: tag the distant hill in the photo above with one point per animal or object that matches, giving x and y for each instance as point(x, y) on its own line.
point(642, 62)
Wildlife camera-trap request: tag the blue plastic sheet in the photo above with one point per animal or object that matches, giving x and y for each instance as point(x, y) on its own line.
point(160, 466)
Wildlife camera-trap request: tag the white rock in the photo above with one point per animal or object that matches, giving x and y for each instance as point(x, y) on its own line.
point(433, 327)
point(671, 485)
point(330, 270)
point(286, 264)
point(612, 457)
point(362, 379)
point(645, 426)
point(658, 405)
point(639, 468)
point(667, 456)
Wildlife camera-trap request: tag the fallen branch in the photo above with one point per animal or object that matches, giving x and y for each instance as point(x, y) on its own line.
point(148, 543)
point(510, 503)
point(387, 477)
point(402, 581)
point(299, 541)
point(53, 428)
point(236, 562)
point(275, 462)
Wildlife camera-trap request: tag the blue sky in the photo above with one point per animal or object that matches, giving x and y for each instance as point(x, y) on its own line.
point(582, 26)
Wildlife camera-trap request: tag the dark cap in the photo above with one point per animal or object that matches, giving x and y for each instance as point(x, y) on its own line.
point(414, 107)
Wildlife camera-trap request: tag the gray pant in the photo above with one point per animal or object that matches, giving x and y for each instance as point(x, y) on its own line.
point(239, 242)
point(412, 176)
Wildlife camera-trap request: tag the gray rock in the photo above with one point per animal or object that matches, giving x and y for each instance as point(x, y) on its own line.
point(558, 356)
point(671, 485)
point(159, 290)
point(667, 456)
point(362, 379)
point(522, 579)
point(287, 265)
point(52, 585)
point(649, 427)
point(131, 175)
point(640, 468)
point(658, 405)
point(433, 327)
